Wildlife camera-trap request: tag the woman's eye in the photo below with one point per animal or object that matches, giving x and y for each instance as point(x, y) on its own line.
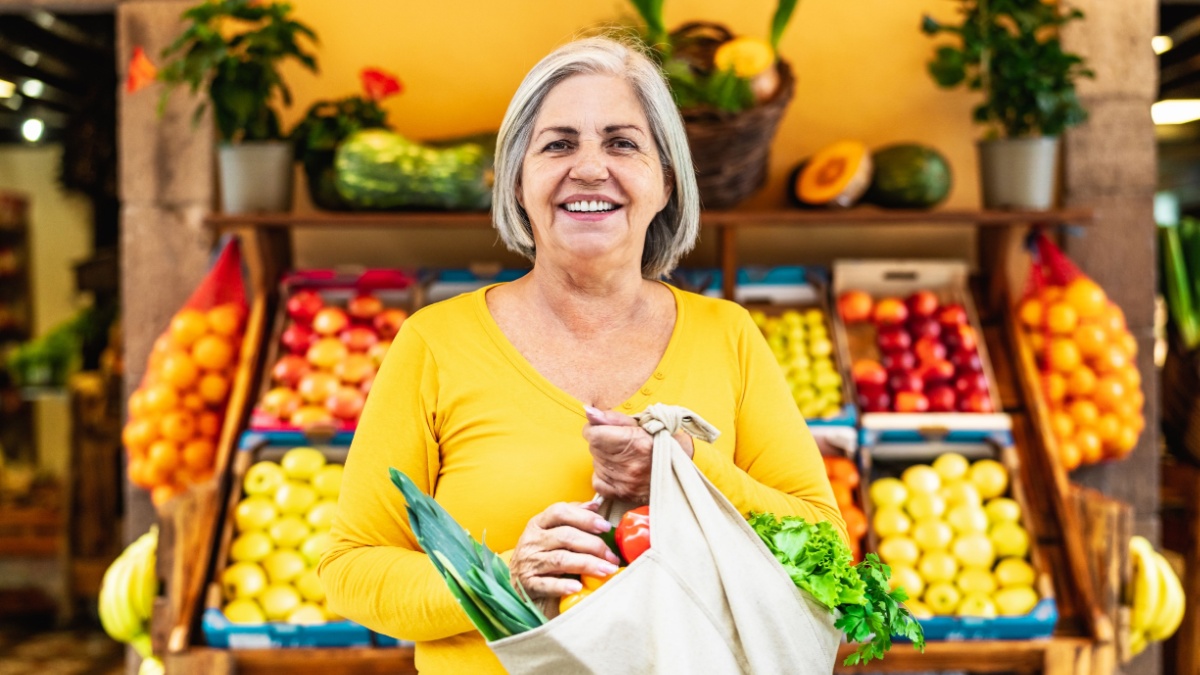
point(557, 146)
point(624, 144)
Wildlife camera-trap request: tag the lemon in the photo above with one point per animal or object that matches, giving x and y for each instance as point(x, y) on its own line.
point(899, 551)
point(942, 598)
point(1010, 540)
point(938, 567)
point(1002, 510)
point(908, 579)
point(977, 605)
point(990, 478)
point(921, 478)
point(888, 492)
point(974, 550)
point(745, 56)
point(951, 467)
point(918, 609)
point(1015, 601)
point(891, 521)
point(1014, 572)
point(922, 505)
point(976, 580)
point(961, 492)
point(932, 534)
point(967, 520)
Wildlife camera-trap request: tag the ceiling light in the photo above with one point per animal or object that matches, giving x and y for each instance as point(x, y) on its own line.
point(7, 88)
point(32, 88)
point(32, 129)
point(1162, 43)
point(1175, 111)
point(30, 57)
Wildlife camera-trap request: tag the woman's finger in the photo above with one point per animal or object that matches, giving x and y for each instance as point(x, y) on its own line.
point(613, 418)
point(572, 515)
point(550, 587)
point(571, 539)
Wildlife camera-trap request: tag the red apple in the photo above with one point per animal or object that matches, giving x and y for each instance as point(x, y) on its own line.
point(304, 305)
point(966, 383)
point(868, 373)
point(280, 402)
point(874, 399)
point(922, 303)
point(330, 321)
point(378, 351)
point(976, 402)
point(905, 380)
point(923, 326)
point(326, 353)
point(855, 306)
point(345, 403)
point(967, 361)
point(898, 361)
point(960, 338)
point(890, 312)
point(911, 402)
point(936, 372)
point(354, 368)
point(297, 338)
point(929, 350)
point(364, 307)
point(359, 338)
point(952, 315)
point(316, 388)
point(942, 398)
point(288, 370)
point(893, 339)
point(388, 322)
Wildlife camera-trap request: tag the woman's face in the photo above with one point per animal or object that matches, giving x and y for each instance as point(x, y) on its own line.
point(592, 180)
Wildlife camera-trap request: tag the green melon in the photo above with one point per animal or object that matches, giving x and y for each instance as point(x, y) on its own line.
point(379, 169)
point(909, 176)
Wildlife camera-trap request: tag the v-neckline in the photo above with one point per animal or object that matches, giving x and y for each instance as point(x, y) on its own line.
point(638, 400)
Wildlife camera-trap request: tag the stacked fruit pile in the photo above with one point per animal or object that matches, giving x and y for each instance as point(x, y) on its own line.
point(1089, 373)
point(954, 540)
point(1158, 598)
point(804, 349)
point(330, 357)
point(283, 523)
point(844, 477)
point(175, 415)
point(929, 358)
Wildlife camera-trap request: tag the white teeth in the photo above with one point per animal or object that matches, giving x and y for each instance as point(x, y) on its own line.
point(590, 206)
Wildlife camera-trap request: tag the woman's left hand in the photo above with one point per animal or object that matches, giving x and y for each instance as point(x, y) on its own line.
point(621, 452)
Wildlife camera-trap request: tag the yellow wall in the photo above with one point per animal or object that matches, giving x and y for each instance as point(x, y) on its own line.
point(60, 235)
point(860, 74)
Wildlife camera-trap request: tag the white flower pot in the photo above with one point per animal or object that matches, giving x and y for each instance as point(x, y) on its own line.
point(255, 176)
point(1018, 173)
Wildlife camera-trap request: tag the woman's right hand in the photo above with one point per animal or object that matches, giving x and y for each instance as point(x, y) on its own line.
point(562, 540)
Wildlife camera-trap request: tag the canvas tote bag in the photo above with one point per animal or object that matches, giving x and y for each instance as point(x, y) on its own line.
point(708, 597)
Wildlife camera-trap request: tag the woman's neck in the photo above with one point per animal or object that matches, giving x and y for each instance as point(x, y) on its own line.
point(587, 304)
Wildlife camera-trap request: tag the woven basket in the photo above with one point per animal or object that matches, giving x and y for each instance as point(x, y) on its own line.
point(731, 151)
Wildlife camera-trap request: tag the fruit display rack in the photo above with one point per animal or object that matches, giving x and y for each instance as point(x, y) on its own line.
point(1083, 638)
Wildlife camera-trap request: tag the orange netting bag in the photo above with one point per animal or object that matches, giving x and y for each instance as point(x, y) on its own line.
point(178, 409)
point(1086, 357)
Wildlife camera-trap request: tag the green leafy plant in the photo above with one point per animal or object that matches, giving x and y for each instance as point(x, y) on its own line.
point(233, 50)
point(1010, 50)
point(699, 75)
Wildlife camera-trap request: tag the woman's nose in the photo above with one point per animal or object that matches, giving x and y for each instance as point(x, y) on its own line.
point(589, 164)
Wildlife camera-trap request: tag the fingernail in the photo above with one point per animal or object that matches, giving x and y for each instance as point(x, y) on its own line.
point(608, 555)
point(593, 413)
point(607, 569)
point(574, 586)
point(603, 525)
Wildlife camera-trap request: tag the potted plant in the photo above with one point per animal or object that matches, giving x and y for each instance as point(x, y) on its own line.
point(1010, 50)
point(233, 49)
point(327, 123)
point(731, 91)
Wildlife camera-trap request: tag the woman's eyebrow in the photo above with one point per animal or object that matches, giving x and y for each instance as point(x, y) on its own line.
point(566, 131)
point(613, 128)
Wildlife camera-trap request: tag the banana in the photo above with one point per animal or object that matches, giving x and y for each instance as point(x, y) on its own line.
point(1137, 643)
point(120, 623)
point(127, 589)
point(144, 583)
point(1174, 603)
point(1147, 602)
point(141, 645)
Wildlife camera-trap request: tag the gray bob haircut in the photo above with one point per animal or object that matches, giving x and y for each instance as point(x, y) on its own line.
point(674, 230)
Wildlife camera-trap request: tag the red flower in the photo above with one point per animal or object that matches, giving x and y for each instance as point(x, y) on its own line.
point(141, 71)
point(379, 84)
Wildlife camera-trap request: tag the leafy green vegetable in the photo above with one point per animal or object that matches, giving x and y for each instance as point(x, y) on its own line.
point(477, 577)
point(819, 562)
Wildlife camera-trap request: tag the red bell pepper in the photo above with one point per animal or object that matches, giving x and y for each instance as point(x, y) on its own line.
point(633, 533)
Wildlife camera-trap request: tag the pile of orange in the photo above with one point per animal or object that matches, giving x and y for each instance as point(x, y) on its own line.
point(1088, 362)
point(845, 479)
point(175, 416)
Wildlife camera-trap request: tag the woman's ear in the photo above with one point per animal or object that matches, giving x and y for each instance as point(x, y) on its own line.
point(668, 186)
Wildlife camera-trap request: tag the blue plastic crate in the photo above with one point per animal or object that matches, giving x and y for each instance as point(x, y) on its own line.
point(251, 440)
point(1035, 625)
point(221, 632)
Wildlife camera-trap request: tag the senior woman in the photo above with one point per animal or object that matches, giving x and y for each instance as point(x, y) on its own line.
point(482, 398)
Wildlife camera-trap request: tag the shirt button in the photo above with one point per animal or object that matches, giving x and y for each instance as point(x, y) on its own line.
point(627, 405)
point(658, 375)
point(645, 391)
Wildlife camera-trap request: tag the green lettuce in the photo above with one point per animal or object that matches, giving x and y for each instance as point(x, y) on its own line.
point(819, 562)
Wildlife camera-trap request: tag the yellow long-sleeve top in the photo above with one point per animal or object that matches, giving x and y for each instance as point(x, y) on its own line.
point(457, 408)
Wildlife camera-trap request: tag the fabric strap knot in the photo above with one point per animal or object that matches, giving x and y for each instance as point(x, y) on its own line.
point(671, 418)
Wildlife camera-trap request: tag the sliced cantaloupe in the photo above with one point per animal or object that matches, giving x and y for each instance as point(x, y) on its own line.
point(838, 175)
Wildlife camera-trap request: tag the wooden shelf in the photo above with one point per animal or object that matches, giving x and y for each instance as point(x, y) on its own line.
point(724, 219)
